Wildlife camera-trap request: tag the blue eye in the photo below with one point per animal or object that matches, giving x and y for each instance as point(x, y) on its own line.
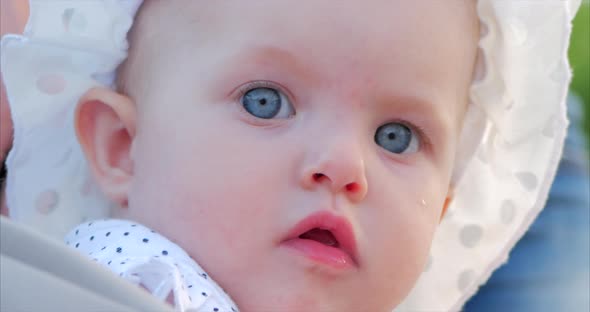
point(397, 138)
point(267, 103)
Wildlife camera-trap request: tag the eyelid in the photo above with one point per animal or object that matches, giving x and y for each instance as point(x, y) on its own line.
point(243, 89)
point(424, 142)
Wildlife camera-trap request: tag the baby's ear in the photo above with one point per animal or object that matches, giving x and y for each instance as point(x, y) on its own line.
point(105, 126)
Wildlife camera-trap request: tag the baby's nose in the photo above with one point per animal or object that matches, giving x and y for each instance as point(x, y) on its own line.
point(340, 168)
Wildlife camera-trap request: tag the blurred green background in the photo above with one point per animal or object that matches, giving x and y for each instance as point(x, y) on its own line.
point(579, 54)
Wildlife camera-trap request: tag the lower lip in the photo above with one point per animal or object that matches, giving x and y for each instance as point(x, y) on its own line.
point(321, 253)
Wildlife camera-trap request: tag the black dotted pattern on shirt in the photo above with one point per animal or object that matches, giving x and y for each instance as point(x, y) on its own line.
point(144, 240)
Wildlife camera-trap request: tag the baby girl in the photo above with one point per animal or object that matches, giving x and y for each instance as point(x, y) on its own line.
point(303, 153)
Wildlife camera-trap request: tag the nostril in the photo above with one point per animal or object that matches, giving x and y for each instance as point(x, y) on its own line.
point(318, 176)
point(352, 187)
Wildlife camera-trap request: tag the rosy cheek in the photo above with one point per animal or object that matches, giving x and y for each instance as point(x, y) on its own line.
point(413, 212)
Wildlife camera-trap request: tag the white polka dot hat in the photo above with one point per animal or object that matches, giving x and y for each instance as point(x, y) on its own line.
point(510, 145)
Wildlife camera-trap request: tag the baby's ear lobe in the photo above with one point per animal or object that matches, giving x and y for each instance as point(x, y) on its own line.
point(105, 126)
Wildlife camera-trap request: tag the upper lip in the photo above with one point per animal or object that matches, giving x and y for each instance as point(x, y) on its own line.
point(325, 220)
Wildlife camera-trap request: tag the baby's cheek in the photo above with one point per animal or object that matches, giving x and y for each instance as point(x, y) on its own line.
point(401, 233)
point(220, 194)
point(404, 256)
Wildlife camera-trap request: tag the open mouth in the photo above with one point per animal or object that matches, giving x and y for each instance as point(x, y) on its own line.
point(321, 236)
point(324, 238)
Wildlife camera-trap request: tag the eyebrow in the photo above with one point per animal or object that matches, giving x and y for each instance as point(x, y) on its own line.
point(272, 52)
point(438, 122)
point(262, 52)
point(271, 56)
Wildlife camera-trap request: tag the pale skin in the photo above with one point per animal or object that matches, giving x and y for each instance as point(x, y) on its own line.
point(179, 152)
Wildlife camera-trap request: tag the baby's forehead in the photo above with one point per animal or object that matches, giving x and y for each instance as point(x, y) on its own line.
point(376, 35)
point(199, 17)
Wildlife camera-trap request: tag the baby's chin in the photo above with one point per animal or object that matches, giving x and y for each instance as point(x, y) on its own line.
point(304, 294)
point(294, 303)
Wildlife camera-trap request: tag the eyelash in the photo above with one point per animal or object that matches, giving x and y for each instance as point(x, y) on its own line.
point(424, 142)
point(423, 139)
point(242, 90)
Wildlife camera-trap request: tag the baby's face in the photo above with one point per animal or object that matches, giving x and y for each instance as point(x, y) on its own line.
point(255, 115)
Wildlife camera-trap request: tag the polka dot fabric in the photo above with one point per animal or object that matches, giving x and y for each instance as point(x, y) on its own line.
point(508, 158)
point(147, 259)
point(69, 47)
point(503, 170)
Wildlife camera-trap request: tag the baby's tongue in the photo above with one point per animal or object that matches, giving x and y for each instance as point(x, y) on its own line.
point(323, 236)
